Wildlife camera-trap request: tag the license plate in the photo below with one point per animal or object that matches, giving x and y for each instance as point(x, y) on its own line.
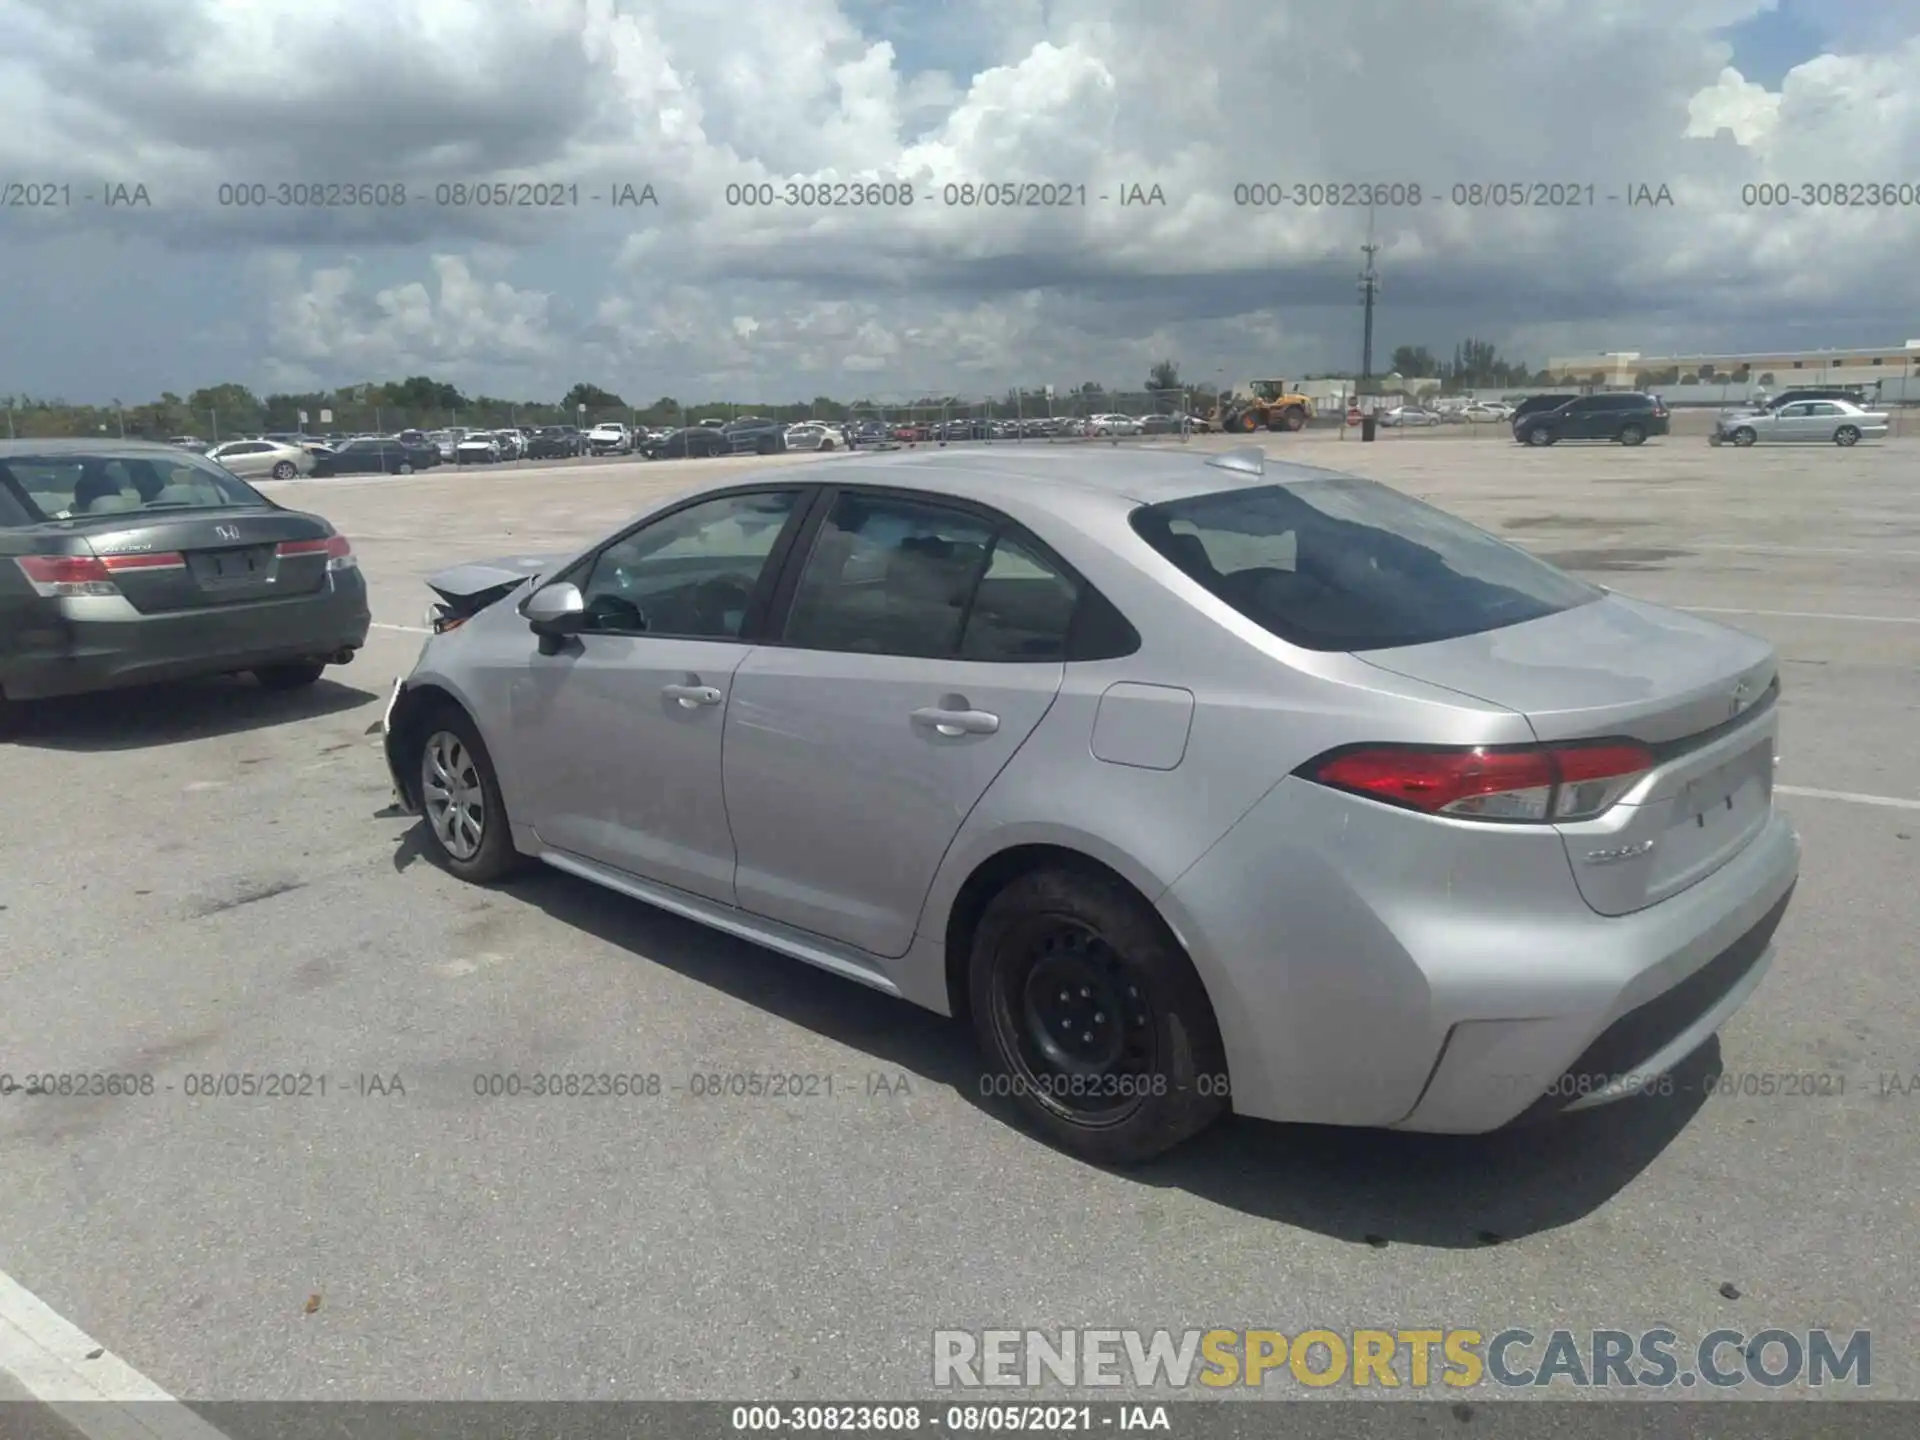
point(229, 565)
point(386, 716)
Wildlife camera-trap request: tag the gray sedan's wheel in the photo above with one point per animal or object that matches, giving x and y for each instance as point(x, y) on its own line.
point(1846, 435)
point(466, 820)
point(826, 444)
point(1745, 436)
point(285, 470)
point(1539, 436)
point(1091, 1019)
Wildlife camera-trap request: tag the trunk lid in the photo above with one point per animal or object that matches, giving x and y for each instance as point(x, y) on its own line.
point(230, 556)
point(1699, 694)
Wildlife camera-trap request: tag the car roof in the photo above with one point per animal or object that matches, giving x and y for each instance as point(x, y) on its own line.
point(1063, 480)
point(14, 449)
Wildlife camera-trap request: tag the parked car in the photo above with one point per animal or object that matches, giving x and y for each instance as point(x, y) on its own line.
point(1409, 416)
point(1819, 422)
point(911, 432)
point(812, 437)
point(691, 443)
point(375, 457)
point(1113, 425)
point(123, 563)
point(1625, 417)
point(263, 459)
point(190, 442)
point(755, 435)
point(869, 432)
point(610, 438)
point(482, 447)
point(1165, 425)
point(553, 442)
point(869, 722)
point(444, 442)
point(1483, 412)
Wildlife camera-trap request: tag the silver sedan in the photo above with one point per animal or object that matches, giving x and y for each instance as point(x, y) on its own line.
point(262, 459)
point(1192, 785)
point(1816, 422)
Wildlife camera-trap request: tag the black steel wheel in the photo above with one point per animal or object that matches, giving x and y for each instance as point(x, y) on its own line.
point(1093, 1022)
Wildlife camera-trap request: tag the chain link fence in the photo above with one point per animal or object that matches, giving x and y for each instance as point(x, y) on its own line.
point(1057, 414)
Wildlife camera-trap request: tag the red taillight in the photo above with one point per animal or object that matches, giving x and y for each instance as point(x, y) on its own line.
point(55, 576)
point(335, 547)
point(1534, 783)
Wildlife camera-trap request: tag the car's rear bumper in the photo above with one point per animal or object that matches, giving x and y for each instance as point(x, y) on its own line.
point(103, 643)
point(1371, 967)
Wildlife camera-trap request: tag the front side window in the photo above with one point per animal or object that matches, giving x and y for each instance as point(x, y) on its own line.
point(70, 486)
point(1349, 564)
point(691, 573)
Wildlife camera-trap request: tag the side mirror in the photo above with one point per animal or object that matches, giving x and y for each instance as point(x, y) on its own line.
point(556, 610)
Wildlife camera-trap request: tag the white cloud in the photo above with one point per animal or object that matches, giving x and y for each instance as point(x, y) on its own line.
point(584, 95)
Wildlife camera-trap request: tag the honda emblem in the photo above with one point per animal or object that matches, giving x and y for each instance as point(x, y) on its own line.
point(1737, 702)
point(227, 532)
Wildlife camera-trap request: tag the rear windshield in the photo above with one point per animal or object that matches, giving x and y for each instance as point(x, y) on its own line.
point(73, 486)
point(1349, 564)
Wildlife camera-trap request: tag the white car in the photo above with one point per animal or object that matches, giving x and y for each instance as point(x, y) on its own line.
point(610, 438)
point(479, 448)
point(809, 435)
point(262, 459)
point(1482, 412)
point(444, 441)
point(1113, 425)
point(1410, 416)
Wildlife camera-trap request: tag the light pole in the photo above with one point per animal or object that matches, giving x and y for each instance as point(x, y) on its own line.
point(1369, 288)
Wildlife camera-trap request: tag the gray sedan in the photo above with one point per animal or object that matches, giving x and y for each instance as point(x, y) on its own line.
point(1816, 422)
point(1192, 785)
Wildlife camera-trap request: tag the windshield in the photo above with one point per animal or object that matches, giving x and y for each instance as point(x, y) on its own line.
point(75, 485)
point(1349, 564)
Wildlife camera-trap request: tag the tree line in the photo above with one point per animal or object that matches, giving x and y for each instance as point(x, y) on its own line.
point(223, 411)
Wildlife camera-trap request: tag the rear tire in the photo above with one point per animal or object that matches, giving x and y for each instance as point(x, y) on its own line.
point(285, 470)
point(1632, 435)
point(405, 468)
point(1133, 1083)
point(291, 676)
point(468, 833)
point(1846, 435)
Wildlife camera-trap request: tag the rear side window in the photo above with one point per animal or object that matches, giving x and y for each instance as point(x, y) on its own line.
point(72, 486)
point(1349, 564)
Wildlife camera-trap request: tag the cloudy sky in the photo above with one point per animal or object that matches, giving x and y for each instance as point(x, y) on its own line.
point(697, 297)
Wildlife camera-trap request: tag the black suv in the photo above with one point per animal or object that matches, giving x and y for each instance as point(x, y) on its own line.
point(1628, 417)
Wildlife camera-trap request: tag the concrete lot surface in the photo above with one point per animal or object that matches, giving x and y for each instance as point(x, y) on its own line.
point(208, 880)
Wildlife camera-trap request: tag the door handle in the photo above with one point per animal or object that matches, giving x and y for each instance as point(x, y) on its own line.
point(957, 722)
point(691, 697)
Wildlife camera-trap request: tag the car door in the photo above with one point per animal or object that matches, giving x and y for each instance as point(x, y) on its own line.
point(1823, 418)
point(902, 682)
point(623, 724)
point(1794, 422)
point(245, 458)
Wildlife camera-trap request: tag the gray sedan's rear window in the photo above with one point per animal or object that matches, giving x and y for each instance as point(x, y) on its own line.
point(66, 485)
point(1349, 564)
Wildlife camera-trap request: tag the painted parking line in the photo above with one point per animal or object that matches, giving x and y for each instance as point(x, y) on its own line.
point(406, 629)
point(79, 1380)
point(1851, 797)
